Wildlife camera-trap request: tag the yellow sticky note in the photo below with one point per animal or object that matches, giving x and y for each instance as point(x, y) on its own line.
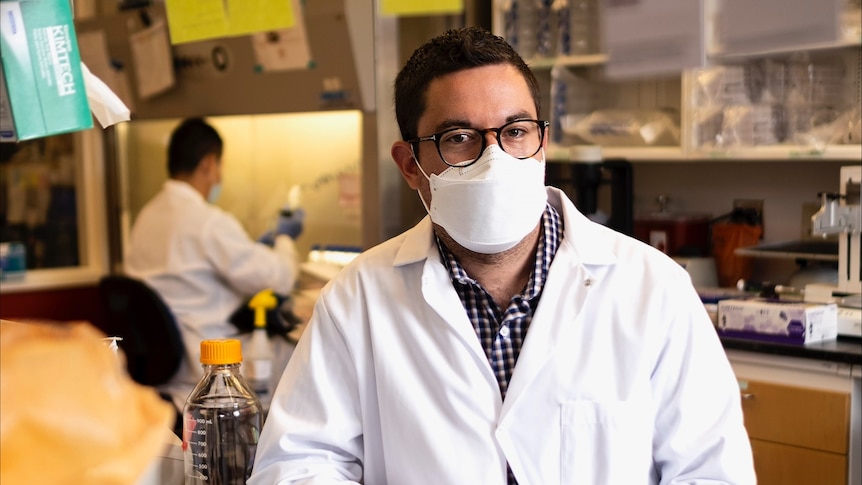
point(421, 7)
point(190, 20)
point(248, 16)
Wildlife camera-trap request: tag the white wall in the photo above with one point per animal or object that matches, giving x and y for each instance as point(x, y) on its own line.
point(711, 187)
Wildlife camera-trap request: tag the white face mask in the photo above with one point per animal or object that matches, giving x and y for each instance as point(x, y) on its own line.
point(491, 205)
point(215, 192)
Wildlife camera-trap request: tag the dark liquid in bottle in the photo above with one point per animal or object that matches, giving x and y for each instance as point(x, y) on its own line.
point(222, 443)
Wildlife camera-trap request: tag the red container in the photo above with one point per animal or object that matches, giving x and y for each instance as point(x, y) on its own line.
point(675, 234)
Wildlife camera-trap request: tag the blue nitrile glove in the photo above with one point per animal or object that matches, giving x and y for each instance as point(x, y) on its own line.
point(267, 238)
point(290, 222)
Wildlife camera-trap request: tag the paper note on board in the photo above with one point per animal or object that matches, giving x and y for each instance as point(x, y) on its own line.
point(154, 64)
point(421, 7)
point(191, 20)
point(283, 49)
point(248, 16)
point(93, 46)
point(94, 53)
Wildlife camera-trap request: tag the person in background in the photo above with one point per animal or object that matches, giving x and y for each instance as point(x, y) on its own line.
point(505, 338)
point(199, 258)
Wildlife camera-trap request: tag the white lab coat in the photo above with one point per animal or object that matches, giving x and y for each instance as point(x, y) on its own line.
point(621, 379)
point(204, 265)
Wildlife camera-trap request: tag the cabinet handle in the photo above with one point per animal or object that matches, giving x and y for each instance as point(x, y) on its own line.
point(746, 396)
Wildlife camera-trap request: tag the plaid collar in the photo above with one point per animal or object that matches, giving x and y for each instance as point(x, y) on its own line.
point(549, 241)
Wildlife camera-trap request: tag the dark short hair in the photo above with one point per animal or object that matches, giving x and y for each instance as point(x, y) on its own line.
point(190, 142)
point(454, 50)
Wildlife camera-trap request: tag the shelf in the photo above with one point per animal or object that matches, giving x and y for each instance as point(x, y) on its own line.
point(51, 279)
point(761, 153)
point(783, 153)
point(567, 61)
point(815, 250)
point(562, 153)
point(572, 92)
point(719, 57)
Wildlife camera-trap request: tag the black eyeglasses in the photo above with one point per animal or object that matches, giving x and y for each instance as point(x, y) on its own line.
point(461, 147)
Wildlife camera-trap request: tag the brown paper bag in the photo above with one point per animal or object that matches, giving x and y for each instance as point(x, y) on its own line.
point(70, 412)
point(726, 237)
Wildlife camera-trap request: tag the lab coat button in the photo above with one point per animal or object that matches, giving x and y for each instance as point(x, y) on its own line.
point(504, 331)
point(588, 282)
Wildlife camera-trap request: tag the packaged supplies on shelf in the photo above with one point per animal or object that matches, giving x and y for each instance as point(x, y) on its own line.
point(784, 321)
point(42, 68)
point(619, 127)
point(753, 125)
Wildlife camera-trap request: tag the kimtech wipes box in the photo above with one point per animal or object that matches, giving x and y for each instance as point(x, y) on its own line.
point(793, 322)
point(42, 69)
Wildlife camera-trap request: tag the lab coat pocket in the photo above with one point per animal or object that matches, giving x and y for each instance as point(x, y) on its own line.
point(605, 442)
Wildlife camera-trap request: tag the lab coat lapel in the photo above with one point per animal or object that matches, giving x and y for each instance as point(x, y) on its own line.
point(552, 324)
point(441, 296)
point(438, 292)
point(580, 259)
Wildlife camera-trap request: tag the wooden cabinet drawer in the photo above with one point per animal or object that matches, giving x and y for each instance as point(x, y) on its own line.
point(810, 418)
point(778, 464)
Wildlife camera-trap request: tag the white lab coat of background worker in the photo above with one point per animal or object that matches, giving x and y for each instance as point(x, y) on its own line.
point(199, 258)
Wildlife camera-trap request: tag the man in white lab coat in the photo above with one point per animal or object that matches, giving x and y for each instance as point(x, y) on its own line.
point(198, 257)
point(505, 338)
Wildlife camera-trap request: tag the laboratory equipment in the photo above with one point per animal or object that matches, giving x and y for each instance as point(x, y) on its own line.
point(222, 419)
point(587, 174)
point(291, 215)
point(841, 214)
point(259, 355)
point(674, 233)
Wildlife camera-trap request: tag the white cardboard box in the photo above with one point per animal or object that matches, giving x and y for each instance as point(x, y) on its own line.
point(793, 322)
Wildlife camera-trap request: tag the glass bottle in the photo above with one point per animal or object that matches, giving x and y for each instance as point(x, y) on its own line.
point(520, 26)
point(582, 27)
point(222, 419)
point(547, 30)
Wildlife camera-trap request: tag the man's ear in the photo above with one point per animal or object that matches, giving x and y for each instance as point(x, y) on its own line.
point(208, 163)
point(402, 153)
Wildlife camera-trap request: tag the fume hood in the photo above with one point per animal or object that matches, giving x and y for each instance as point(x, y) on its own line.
point(221, 79)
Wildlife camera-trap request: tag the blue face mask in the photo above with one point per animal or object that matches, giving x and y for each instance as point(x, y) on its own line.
point(215, 192)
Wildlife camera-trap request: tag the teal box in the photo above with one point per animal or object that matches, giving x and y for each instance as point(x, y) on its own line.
point(13, 261)
point(42, 68)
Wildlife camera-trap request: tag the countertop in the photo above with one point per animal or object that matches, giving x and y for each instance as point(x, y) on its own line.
point(843, 350)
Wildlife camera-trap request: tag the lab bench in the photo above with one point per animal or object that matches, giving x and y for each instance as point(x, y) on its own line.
point(802, 408)
point(841, 351)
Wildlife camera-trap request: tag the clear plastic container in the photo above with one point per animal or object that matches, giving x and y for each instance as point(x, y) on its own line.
point(583, 27)
point(521, 26)
point(564, 39)
point(222, 419)
point(258, 372)
point(547, 30)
